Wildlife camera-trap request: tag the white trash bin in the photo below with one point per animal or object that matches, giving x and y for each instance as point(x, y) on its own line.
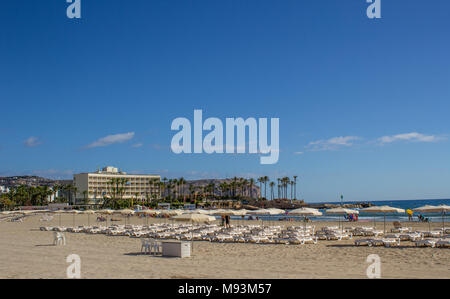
point(176, 249)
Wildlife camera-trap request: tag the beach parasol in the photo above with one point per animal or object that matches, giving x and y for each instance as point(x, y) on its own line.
point(274, 211)
point(59, 212)
point(106, 212)
point(241, 212)
point(259, 212)
point(74, 212)
point(169, 212)
point(9, 212)
point(26, 212)
point(341, 212)
point(89, 213)
point(197, 218)
point(434, 209)
point(126, 213)
point(148, 213)
point(214, 211)
point(384, 210)
point(40, 211)
point(201, 211)
point(144, 214)
point(305, 212)
point(225, 212)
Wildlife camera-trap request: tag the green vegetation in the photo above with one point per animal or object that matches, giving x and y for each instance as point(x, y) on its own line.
point(177, 192)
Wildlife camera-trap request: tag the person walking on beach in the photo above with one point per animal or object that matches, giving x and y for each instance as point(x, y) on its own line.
point(227, 221)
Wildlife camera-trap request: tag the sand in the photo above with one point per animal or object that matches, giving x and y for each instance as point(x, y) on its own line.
point(27, 252)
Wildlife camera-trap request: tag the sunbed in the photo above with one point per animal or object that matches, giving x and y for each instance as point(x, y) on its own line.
point(426, 243)
point(443, 243)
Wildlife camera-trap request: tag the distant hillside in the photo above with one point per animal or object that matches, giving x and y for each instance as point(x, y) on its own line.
point(13, 181)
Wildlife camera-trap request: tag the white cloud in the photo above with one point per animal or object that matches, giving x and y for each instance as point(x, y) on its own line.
point(414, 136)
point(32, 142)
point(137, 145)
point(332, 143)
point(111, 139)
point(298, 153)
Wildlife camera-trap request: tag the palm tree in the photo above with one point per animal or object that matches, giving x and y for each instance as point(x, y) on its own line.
point(244, 187)
point(164, 185)
point(213, 189)
point(191, 190)
point(292, 189)
point(136, 194)
point(85, 194)
point(272, 184)
point(12, 194)
point(265, 180)
point(287, 183)
point(234, 184)
point(260, 181)
point(284, 184)
point(55, 191)
point(295, 187)
point(117, 188)
point(73, 191)
point(182, 181)
point(279, 187)
point(251, 183)
point(175, 184)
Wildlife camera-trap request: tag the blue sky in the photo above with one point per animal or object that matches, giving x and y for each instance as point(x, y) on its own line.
point(363, 104)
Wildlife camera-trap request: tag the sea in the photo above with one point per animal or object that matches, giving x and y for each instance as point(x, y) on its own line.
point(366, 217)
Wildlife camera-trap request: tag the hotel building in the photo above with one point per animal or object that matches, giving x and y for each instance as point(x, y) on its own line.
point(94, 186)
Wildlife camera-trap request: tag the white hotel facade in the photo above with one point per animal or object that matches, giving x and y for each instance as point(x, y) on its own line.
point(97, 186)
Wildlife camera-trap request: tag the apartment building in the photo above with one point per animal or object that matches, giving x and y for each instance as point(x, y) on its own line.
point(94, 186)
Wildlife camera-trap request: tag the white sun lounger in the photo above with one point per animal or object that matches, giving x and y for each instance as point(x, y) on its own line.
point(432, 234)
point(388, 242)
point(426, 243)
point(443, 243)
point(339, 236)
point(410, 237)
point(303, 240)
point(363, 242)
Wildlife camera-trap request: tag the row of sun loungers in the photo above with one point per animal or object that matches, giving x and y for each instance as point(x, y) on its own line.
point(213, 233)
point(392, 241)
point(442, 243)
point(261, 234)
point(388, 242)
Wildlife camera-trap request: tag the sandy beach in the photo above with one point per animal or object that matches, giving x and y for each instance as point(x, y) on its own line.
point(27, 252)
